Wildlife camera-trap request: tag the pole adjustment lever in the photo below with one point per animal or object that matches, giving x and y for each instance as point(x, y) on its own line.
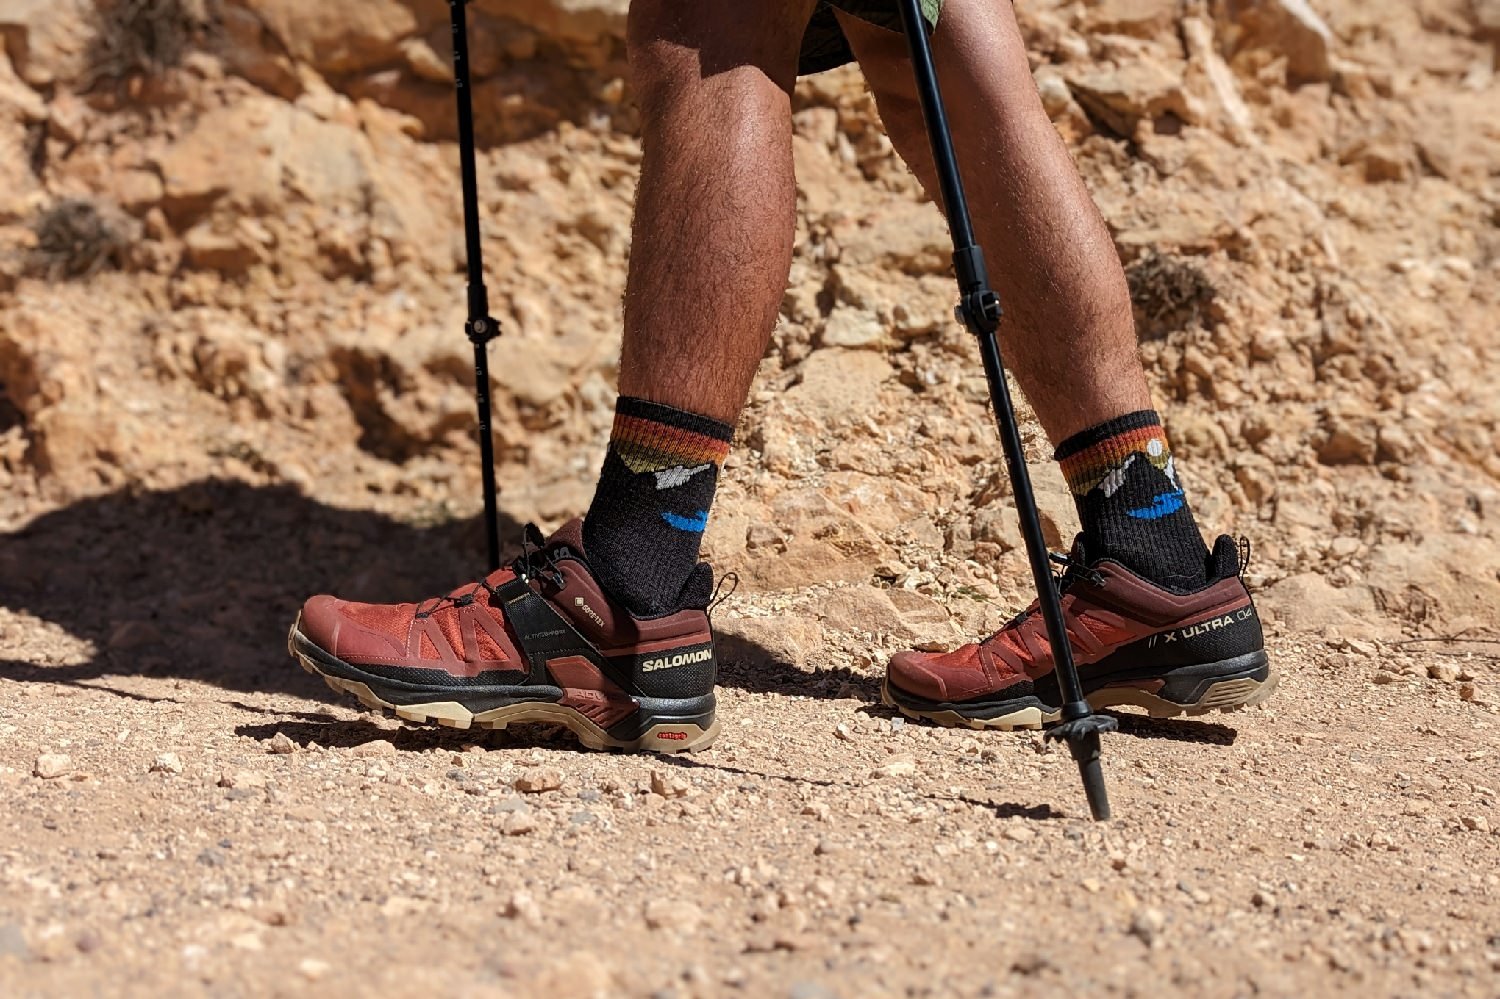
point(481, 331)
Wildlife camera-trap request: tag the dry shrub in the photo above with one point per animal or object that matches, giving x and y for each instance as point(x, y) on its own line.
point(76, 238)
point(1170, 293)
point(146, 36)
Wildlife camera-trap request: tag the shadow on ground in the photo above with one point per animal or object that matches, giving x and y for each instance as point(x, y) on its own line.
point(202, 582)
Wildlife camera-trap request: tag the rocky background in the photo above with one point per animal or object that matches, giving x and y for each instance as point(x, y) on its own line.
point(232, 367)
point(231, 249)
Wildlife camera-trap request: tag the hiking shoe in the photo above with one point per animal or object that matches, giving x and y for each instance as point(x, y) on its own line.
point(1133, 643)
point(537, 642)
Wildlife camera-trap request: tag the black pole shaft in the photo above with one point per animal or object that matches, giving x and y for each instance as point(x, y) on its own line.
point(980, 310)
point(481, 328)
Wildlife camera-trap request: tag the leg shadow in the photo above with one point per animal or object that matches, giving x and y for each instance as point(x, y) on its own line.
point(747, 666)
point(203, 581)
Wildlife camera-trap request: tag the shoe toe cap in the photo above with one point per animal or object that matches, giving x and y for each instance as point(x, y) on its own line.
point(321, 623)
point(959, 675)
point(915, 673)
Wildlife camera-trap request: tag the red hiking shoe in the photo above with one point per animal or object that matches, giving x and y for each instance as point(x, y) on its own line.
point(1133, 643)
point(536, 642)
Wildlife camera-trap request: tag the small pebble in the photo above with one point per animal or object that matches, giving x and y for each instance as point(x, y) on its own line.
point(50, 766)
point(508, 805)
point(672, 914)
point(242, 778)
point(901, 766)
point(518, 824)
point(1147, 925)
point(167, 763)
point(312, 969)
point(668, 786)
point(375, 747)
point(539, 779)
point(281, 745)
point(521, 905)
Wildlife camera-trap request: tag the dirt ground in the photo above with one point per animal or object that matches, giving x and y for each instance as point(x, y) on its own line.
point(232, 375)
point(221, 826)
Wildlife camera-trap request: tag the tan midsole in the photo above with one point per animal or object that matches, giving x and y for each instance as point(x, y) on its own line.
point(1226, 695)
point(665, 737)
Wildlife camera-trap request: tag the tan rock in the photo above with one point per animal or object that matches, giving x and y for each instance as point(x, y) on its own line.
point(1486, 14)
point(211, 248)
point(18, 102)
point(1210, 79)
point(50, 766)
point(668, 785)
point(760, 644)
point(250, 50)
point(1349, 437)
point(1287, 28)
point(1141, 18)
point(1309, 603)
point(539, 779)
point(242, 779)
point(847, 327)
point(167, 763)
point(911, 238)
point(565, 20)
point(862, 609)
point(900, 766)
point(676, 915)
point(137, 191)
point(1142, 88)
point(374, 748)
point(337, 36)
point(47, 39)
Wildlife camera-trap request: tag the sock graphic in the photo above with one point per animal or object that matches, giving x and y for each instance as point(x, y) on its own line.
point(1130, 502)
point(650, 510)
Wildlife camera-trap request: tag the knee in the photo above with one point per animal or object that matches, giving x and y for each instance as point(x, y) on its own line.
point(675, 47)
point(659, 67)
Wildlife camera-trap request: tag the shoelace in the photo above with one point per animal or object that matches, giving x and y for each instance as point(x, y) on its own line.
point(534, 562)
point(1073, 570)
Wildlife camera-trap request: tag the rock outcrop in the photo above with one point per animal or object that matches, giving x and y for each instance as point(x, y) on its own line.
point(1303, 195)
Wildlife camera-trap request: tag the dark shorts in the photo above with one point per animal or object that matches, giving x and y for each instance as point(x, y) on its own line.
point(824, 45)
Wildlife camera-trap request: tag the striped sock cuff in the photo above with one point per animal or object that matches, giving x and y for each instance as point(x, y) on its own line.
point(650, 437)
point(1088, 457)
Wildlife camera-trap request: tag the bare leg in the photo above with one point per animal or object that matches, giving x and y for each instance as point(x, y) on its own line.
point(712, 250)
point(715, 213)
point(1069, 335)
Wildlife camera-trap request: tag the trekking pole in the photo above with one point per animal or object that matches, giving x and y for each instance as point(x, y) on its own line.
point(480, 326)
point(979, 310)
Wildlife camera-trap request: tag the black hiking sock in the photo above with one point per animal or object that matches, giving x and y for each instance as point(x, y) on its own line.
point(1131, 503)
point(646, 523)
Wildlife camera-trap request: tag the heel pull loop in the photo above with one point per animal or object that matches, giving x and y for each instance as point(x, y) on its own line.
point(733, 579)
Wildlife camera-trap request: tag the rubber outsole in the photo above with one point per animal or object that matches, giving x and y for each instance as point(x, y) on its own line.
point(668, 738)
point(1227, 695)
